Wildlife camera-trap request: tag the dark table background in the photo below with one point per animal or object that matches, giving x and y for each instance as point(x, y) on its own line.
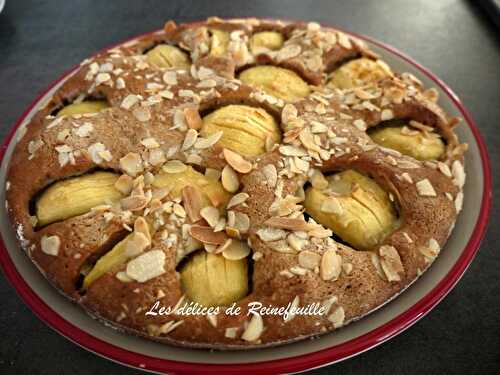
point(39, 40)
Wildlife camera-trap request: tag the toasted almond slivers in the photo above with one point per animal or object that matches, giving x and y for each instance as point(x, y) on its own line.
point(229, 179)
point(146, 266)
point(193, 118)
point(189, 139)
point(271, 175)
point(124, 184)
point(337, 317)
point(192, 200)
point(254, 329)
point(207, 235)
point(211, 215)
point(425, 188)
point(390, 262)
point(131, 164)
point(293, 224)
point(237, 199)
point(236, 161)
point(174, 166)
point(141, 226)
point(331, 265)
point(236, 250)
point(50, 245)
point(309, 259)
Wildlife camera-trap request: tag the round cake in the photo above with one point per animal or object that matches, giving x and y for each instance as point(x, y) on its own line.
point(236, 183)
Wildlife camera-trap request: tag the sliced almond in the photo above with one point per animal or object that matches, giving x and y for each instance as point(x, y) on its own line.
point(124, 184)
point(237, 199)
point(309, 259)
point(271, 234)
point(229, 179)
point(236, 161)
point(390, 262)
point(331, 265)
point(207, 235)
point(192, 117)
point(337, 317)
point(425, 188)
point(174, 166)
point(146, 266)
point(236, 250)
point(131, 164)
point(141, 226)
point(203, 143)
point(50, 245)
point(211, 215)
point(293, 224)
point(271, 175)
point(189, 139)
point(254, 329)
point(134, 203)
point(191, 197)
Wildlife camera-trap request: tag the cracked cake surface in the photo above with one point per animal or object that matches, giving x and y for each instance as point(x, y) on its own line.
point(236, 161)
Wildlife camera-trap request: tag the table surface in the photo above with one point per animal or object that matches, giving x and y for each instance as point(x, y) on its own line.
point(40, 40)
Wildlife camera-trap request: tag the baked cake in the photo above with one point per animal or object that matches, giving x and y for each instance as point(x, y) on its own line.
point(232, 162)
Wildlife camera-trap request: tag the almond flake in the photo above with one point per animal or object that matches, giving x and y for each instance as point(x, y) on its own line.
point(129, 101)
point(331, 265)
point(271, 175)
point(236, 161)
point(207, 235)
point(457, 170)
point(150, 143)
point(254, 329)
point(229, 179)
point(236, 250)
point(192, 200)
point(95, 151)
point(174, 166)
point(386, 115)
point(192, 117)
point(390, 262)
point(293, 224)
point(271, 234)
point(131, 164)
point(50, 245)
point(309, 259)
point(124, 184)
point(146, 266)
point(211, 215)
point(142, 114)
point(237, 199)
point(337, 317)
point(431, 251)
point(203, 143)
point(425, 188)
point(170, 77)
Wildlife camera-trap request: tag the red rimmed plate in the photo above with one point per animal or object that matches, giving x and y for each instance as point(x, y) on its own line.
point(408, 308)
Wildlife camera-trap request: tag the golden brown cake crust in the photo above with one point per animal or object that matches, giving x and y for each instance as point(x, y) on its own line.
point(428, 194)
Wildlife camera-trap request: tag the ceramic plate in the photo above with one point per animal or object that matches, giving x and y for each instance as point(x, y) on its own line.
point(72, 322)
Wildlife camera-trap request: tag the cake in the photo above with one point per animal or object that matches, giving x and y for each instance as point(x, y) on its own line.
point(238, 168)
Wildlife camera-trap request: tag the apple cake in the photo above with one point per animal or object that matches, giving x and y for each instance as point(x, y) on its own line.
point(229, 164)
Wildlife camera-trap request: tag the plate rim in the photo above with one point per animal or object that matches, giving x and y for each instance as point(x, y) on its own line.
point(298, 363)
